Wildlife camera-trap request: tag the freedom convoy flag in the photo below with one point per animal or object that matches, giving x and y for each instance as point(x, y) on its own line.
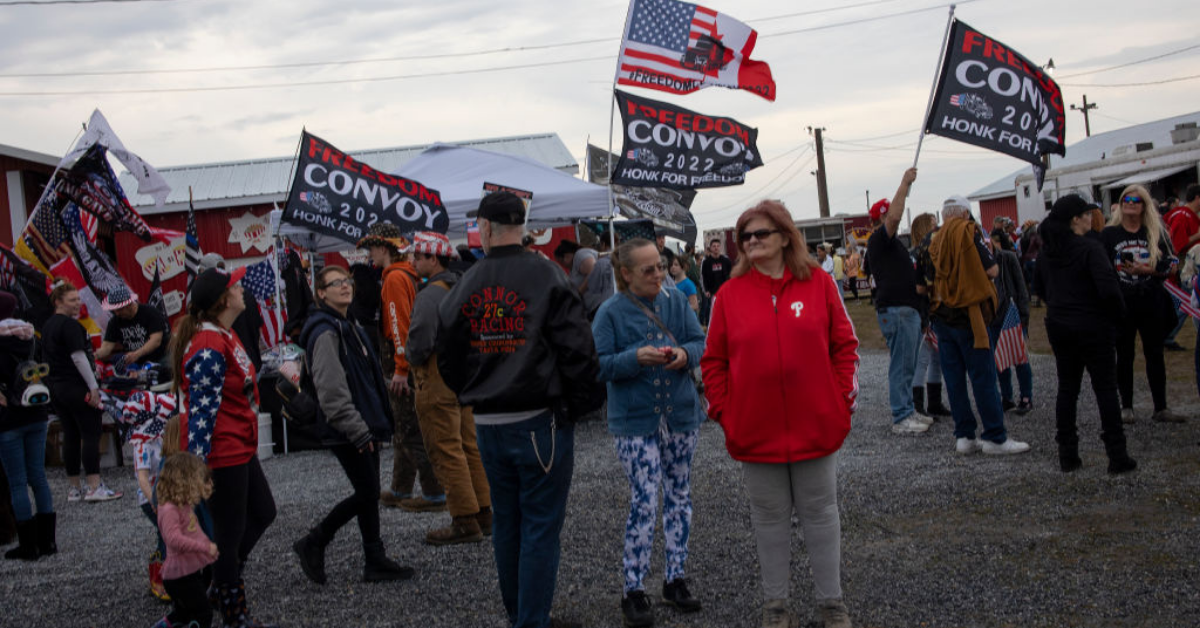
point(1010, 346)
point(671, 147)
point(991, 96)
point(680, 48)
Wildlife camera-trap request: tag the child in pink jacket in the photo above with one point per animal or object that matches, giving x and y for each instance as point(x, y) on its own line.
point(183, 482)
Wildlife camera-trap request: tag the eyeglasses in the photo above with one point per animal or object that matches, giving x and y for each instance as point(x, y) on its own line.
point(1132, 200)
point(338, 283)
point(761, 234)
point(651, 269)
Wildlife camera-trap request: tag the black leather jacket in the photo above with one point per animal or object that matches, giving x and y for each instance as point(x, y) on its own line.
point(514, 337)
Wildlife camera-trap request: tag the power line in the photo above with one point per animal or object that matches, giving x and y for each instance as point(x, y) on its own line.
point(345, 62)
point(1143, 84)
point(765, 186)
point(865, 20)
point(1125, 65)
point(372, 79)
point(882, 137)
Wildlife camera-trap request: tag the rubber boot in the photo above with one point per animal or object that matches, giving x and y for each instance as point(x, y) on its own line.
point(919, 399)
point(933, 401)
point(311, 551)
point(46, 524)
point(379, 568)
point(1068, 458)
point(27, 542)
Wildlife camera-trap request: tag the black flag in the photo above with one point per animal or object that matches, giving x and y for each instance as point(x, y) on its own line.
point(991, 96)
point(156, 300)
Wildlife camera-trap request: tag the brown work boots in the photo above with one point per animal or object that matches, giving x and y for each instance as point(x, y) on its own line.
point(463, 529)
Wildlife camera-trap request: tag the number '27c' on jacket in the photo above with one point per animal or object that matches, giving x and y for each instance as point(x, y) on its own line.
point(781, 367)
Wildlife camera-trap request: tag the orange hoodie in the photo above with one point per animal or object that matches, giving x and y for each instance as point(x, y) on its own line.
point(399, 291)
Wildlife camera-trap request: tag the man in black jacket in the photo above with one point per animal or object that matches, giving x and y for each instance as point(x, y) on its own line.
point(515, 343)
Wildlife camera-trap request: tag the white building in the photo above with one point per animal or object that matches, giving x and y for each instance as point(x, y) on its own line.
point(1163, 155)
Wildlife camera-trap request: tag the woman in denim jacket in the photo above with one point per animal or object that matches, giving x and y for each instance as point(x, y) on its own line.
point(648, 340)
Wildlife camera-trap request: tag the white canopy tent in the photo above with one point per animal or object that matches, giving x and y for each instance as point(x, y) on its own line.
point(458, 174)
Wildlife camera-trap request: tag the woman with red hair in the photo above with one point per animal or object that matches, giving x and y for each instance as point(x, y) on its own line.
point(781, 377)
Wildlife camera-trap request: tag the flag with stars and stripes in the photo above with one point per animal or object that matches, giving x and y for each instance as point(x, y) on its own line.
point(260, 282)
point(679, 47)
point(148, 413)
point(206, 378)
point(1182, 300)
point(1010, 346)
point(191, 260)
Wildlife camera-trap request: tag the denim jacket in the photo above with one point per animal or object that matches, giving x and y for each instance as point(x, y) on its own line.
point(642, 397)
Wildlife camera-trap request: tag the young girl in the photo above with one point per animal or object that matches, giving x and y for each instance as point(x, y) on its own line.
point(184, 481)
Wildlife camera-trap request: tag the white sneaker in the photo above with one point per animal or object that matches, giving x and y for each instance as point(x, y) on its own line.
point(909, 425)
point(966, 446)
point(1009, 446)
point(1127, 415)
point(927, 420)
point(102, 494)
point(74, 495)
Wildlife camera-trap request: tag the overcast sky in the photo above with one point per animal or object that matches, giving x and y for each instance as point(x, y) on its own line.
point(866, 83)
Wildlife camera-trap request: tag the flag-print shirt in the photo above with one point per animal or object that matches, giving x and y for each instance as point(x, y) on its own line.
point(220, 418)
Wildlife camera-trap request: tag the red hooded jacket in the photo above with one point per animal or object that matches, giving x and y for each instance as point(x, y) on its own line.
point(781, 367)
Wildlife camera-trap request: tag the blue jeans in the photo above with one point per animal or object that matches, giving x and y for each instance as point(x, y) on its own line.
point(23, 453)
point(901, 327)
point(1024, 371)
point(961, 360)
point(529, 504)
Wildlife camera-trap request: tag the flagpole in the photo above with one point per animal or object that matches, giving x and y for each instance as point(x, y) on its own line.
point(937, 75)
point(612, 114)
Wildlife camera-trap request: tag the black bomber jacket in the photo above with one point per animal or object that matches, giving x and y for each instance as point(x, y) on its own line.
point(514, 337)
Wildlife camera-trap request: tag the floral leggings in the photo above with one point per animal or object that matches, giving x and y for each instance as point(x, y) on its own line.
point(664, 457)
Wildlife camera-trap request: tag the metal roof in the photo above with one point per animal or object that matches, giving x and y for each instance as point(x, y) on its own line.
point(28, 155)
point(266, 180)
point(1108, 145)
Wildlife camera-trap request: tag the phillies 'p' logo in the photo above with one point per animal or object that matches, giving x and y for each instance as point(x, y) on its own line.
point(797, 307)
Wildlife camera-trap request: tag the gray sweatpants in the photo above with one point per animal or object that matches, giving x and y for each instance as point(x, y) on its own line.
point(810, 488)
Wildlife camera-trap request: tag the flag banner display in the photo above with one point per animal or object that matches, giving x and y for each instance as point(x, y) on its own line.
point(625, 229)
point(1182, 300)
point(672, 147)
point(88, 188)
point(525, 195)
point(261, 281)
point(990, 96)
point(28, 285)
point(338, 196)
point(192, 252)
point(669, 209)
point(150, 182)
point(680, 47)
point(155, 299)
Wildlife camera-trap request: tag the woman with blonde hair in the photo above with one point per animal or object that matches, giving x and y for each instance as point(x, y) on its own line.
point(781, 377)
point(1135, 242)
point(927, 377)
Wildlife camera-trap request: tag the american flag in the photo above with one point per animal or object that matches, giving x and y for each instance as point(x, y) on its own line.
point(1182, 300)
point(1010, 346)
point(680, 48)
point(955, 99)
point(45, 234)
point(931, 338)
point(90, 225)
point(192, 256)
point(260, 281)
point(148, 413)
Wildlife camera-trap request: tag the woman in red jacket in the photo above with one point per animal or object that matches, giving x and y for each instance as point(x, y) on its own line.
point(781, 377)
point(220, 424)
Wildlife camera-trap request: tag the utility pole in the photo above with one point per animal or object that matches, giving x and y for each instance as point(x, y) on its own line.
point(1087, 123)
point(822, 189)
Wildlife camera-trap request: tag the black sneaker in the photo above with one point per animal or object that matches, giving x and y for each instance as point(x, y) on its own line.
point(1008, 405)
point(636, 609)
point(1025, 407)
point(675, 593)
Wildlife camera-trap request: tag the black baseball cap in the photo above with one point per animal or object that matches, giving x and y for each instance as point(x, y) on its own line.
point(505, 208)
point(209, 285)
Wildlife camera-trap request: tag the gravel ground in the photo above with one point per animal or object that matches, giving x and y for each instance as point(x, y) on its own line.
point(929, 539)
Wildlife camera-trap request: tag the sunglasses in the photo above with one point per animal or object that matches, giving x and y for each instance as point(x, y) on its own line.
point(761, 234)
point(651, 269)
point(338, 283)
point(1132, 200)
